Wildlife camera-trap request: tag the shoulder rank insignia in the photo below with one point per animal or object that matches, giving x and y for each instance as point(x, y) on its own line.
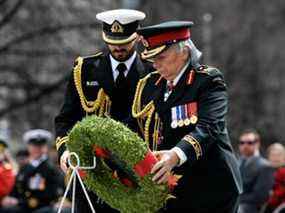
point(201, 68)
point(207, 70)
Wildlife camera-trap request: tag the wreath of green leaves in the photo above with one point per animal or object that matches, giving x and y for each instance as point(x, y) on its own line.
point(129, 148)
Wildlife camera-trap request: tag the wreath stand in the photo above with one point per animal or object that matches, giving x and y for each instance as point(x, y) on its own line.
point(75, 174)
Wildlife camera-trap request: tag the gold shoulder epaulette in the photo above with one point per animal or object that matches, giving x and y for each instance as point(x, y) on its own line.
point(80, 59)
point(97, 54)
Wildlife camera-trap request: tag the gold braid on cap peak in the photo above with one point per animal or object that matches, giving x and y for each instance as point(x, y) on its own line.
point(101, 106)
point(146, 113)
point(119, 41)
point(147, 54)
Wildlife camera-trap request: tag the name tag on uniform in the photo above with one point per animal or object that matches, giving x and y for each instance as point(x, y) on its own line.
point(92, 83)
point(184, 115)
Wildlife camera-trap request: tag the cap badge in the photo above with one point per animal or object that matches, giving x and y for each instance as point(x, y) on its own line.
point(117, 28)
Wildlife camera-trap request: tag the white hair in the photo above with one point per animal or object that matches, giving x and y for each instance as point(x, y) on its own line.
point(195, 53)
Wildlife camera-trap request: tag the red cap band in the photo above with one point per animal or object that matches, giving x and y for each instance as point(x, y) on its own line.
point(160, 39)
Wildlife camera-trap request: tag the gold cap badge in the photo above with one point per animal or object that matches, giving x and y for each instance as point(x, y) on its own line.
point(117, 28)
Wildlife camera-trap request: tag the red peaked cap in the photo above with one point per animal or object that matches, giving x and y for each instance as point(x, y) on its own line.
point(166, 33)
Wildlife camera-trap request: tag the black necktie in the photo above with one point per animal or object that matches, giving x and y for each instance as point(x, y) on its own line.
point(121, 79)
point(121, 95)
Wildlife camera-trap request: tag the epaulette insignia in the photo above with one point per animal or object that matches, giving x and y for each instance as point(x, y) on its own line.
point(212, 71)
point(202, 69)
point(190, 78)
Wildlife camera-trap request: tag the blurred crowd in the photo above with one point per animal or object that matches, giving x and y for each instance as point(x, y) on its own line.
point(263, 176)
point(31, 181)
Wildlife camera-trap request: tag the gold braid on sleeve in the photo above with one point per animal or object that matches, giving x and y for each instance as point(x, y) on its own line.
point(101, 106)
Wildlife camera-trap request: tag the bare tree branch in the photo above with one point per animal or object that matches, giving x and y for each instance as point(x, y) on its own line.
point(42, 93)
point(8, 16)
point(2, 2)
point(10, 85)
point(39, 53)
point(45, 31)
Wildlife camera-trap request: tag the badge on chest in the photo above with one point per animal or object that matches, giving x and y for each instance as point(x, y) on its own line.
point(92, 83)
point(184, 115)
point(37, 182)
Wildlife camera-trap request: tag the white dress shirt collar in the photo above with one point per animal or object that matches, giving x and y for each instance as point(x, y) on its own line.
point(36, 162)
point(115, 63)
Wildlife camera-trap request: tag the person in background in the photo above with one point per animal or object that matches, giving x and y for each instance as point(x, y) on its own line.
point(256, 172)
point(276, 156)
point(37, 182)
point(22, 157)
point(7, 173)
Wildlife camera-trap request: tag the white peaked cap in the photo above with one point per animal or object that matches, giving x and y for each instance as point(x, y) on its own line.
point(124, 16)
point(39, 134)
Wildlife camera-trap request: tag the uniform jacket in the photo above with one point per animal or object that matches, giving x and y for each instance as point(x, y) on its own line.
point(92, 83)
point(210, 173)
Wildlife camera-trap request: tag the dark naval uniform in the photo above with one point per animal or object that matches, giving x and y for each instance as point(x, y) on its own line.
point(91, 90)
point(210, 176)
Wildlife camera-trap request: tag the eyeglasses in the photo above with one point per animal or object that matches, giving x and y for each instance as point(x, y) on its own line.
point(247, 142)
